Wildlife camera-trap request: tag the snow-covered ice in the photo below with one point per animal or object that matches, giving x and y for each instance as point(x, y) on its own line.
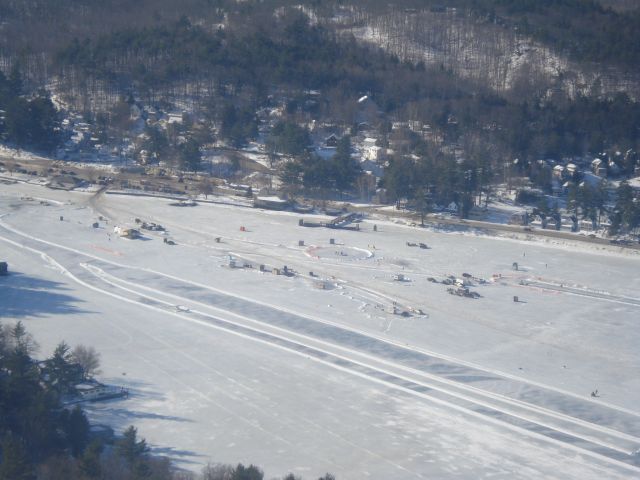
point(242, 365)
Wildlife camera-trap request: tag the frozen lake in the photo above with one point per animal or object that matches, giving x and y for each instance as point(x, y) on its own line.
point(341, 367)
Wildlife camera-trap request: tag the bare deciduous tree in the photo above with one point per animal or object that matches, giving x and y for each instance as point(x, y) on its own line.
point(205, 188)
point(88, 359)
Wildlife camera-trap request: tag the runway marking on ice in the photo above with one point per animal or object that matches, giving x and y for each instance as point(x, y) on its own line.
point(107, 250)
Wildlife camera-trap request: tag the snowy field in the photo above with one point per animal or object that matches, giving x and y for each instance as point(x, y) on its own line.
point(316, 373)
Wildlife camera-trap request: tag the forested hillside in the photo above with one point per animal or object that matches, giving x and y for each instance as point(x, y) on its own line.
point(287, 53)
point(480, 81)
point(584, 30)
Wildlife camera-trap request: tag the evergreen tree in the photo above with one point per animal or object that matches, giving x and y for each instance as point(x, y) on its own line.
point(15, 463)
point(76, 428)
point(247, 473)
point(318, 173)
point(62, 372)
point(130, 448)
point(289, 138)
point(190, 157)
point(90, 464)
point(291, 176)
point(399, 178)
point(156, 142)
point(237, 125)
point(345, 168)
point(627, 211)
point(15, 84)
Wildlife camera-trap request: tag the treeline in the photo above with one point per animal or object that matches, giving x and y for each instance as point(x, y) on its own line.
point(626, 213)
point(437, 180)
point(585, 29)
point(42, 439)
point(27, 121)
point(34, 427)
point(312, 173)
point(286, 54)
point(588, 29)
point(280, 51)
point(262, 59)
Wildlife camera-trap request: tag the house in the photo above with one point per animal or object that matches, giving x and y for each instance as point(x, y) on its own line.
point(331, 141)
point(415, 126)
point(270, 203)
point(595, 164)
point(174, 117)
point(634, 183)
point(519, 218)
point(599, 167)
point(587, 225)
point(371, 151)
point(452, 208)
point(369, 142)
point(371, 166)
point(558, 171)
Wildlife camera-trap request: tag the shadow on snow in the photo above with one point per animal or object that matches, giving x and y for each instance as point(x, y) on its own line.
point(26, 296)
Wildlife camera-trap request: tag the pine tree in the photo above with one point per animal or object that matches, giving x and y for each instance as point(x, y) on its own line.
point(15, 464)
point(77, 431)
point(291, 176)
point(15, 83)
point(90, 465)
point(247, 473)
point(346, 169)
point(60, 369)
point(190, 157)
point(130, 448)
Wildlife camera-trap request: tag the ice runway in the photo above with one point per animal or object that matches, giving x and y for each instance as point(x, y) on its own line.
point(599, 436)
